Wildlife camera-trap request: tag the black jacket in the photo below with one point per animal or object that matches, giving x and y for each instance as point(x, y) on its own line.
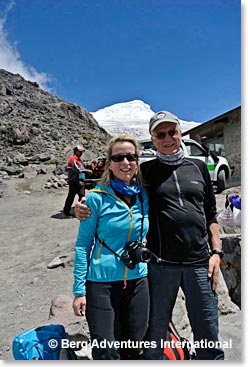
point(182, 205)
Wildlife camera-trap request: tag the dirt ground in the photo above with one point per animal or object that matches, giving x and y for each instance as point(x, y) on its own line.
point(30, 239)
point(32, 234)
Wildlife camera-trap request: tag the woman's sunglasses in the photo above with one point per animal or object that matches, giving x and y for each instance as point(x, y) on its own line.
point(120, 157)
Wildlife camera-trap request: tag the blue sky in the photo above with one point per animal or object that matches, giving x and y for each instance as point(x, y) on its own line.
point(178, 55)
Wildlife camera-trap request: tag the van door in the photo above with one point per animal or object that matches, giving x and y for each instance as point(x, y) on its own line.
point(194, 150)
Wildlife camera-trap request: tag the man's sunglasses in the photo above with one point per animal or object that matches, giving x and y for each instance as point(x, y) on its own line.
point(162, 135)
point(120, 157)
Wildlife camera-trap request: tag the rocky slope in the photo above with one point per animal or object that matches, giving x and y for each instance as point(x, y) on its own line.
point(36, 126)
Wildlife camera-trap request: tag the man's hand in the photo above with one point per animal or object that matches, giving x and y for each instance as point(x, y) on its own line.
point(79, 305)
point(88, 171)
point(82, 211)
point(213, 270)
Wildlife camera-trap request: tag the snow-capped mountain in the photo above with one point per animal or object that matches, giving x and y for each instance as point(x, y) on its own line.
point(130, 118)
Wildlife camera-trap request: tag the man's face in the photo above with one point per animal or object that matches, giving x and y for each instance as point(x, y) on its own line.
point(78, 153)
point(167, 138)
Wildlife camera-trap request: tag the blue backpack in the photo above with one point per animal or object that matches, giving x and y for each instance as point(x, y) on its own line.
point(42, 342)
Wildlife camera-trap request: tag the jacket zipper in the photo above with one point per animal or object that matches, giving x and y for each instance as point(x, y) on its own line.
point(178, 189)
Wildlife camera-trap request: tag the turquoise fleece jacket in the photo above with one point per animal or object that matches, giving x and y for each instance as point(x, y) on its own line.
point(115, 223)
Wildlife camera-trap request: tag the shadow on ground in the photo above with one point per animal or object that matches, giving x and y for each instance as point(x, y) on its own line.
point(61, 215)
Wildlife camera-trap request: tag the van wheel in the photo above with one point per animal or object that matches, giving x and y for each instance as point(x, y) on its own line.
point(221, 181)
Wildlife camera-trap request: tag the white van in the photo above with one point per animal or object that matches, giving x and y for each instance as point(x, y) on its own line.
point(218, 166)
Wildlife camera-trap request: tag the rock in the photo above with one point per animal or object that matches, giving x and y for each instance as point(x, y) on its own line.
point(42, 157)
point(41, 170)
point(62, 260)
point(225, 305)
point(29, 172)
point(61, 312)
point(231, 266)
point(63, 182)
point(13, 170)
point(230, 331)
point(20, 159)
point(55, 185)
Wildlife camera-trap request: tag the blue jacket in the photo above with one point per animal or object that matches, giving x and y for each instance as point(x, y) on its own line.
point(115, 223)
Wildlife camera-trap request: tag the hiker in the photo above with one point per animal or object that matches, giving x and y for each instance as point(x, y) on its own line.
point(184, 236)
point(99, 167)
point(110, 286)
point(76, 173)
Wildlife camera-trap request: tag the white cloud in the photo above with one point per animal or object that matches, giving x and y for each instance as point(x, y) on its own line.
point(10, 58)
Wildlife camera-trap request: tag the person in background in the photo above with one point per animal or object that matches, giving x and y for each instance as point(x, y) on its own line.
point(235, 200)
point(112, 290)
point(184, 236)
point(99, 167)
point(76, 172)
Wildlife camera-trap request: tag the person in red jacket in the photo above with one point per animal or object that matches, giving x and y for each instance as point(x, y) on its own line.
point(76, 170)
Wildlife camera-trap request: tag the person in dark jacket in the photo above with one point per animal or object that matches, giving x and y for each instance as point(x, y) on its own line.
point(184, 237)
point(76, 170)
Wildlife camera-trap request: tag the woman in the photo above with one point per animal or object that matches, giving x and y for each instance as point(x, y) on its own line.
point(114, 293)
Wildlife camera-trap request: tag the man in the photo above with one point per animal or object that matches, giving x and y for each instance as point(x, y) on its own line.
point(182, 227)
point(76, 170)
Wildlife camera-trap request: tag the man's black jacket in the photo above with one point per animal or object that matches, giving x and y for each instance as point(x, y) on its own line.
point(182, 205)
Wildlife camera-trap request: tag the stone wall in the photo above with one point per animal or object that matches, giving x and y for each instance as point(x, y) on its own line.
point(231, 266)
point(232, 141)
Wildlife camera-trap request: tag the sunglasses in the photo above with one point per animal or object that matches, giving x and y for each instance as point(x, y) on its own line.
point(162, 135)
point(120, 157)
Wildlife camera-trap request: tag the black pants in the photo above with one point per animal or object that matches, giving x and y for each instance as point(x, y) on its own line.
point(74, 189)
point(201, 304)
point(117, 314)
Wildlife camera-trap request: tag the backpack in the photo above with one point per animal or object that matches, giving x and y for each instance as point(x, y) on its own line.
point(43, 342)
point(176, 347)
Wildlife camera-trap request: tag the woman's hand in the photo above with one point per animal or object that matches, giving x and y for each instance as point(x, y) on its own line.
point(79, 305)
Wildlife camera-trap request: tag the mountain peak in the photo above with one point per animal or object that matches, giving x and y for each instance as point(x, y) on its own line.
point(125, 111)
point(130, 118)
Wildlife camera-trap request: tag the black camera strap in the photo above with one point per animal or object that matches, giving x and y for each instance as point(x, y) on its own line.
point(142, 212)
point(141, 230)
point(109, 248)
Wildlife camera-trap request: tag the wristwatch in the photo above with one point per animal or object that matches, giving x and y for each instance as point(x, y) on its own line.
point(217, 252)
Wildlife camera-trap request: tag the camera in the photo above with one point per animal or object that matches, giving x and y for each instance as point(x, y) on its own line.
point(134, 253)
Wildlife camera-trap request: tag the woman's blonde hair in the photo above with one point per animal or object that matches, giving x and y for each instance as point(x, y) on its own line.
point(108, 174)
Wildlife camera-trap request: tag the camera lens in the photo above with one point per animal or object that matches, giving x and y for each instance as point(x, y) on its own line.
point(145, 256)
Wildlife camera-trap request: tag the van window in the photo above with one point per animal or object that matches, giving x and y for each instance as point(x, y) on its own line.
point(147, 145)
point(194, 150)
point(217, 145)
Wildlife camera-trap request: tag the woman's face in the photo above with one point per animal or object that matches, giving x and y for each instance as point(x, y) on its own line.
point(125, 168)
